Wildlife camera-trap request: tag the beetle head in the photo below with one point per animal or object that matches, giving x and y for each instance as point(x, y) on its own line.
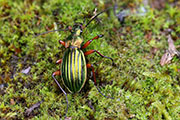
point(77, 29)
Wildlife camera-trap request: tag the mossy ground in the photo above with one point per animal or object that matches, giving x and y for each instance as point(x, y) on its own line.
point(142, 88)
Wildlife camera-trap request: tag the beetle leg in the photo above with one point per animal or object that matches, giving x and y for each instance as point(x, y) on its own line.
point(89, 41)
point(92, 51)
point(53, 75)
point(59, 61)
point(62, 42)
point(94, 77)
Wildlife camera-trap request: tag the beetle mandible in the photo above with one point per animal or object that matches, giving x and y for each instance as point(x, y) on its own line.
point(73, 64)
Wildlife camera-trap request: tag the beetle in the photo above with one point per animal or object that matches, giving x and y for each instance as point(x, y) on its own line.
point(73, 67)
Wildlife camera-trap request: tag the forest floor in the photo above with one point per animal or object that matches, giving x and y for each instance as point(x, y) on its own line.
point(142, 37)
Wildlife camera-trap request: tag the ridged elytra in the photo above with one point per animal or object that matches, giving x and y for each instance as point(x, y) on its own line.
point(73, 69)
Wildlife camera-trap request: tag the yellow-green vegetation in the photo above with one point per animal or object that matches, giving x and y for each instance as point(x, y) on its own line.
point(142, 88)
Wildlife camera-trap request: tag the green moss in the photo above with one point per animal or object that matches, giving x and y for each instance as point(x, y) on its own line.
point(141, 87)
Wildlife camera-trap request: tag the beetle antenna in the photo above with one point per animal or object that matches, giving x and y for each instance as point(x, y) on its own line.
point(96, 16)
point(51, 31)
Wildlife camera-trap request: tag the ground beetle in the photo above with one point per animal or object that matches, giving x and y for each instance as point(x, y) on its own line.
point(73, 64)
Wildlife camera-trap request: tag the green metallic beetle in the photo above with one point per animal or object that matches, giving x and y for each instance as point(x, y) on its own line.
point(73, 64)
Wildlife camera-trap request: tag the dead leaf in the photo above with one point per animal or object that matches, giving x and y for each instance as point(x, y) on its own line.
point(12, 101)
point(26, 71)
point(38, 22)
point(170, 53)
point(14, 48)
point(29, 110)
point(158, 4)
point(148, 36)
point(68, 118)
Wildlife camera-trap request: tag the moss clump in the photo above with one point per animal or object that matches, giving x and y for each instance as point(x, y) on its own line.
point(142, 88)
